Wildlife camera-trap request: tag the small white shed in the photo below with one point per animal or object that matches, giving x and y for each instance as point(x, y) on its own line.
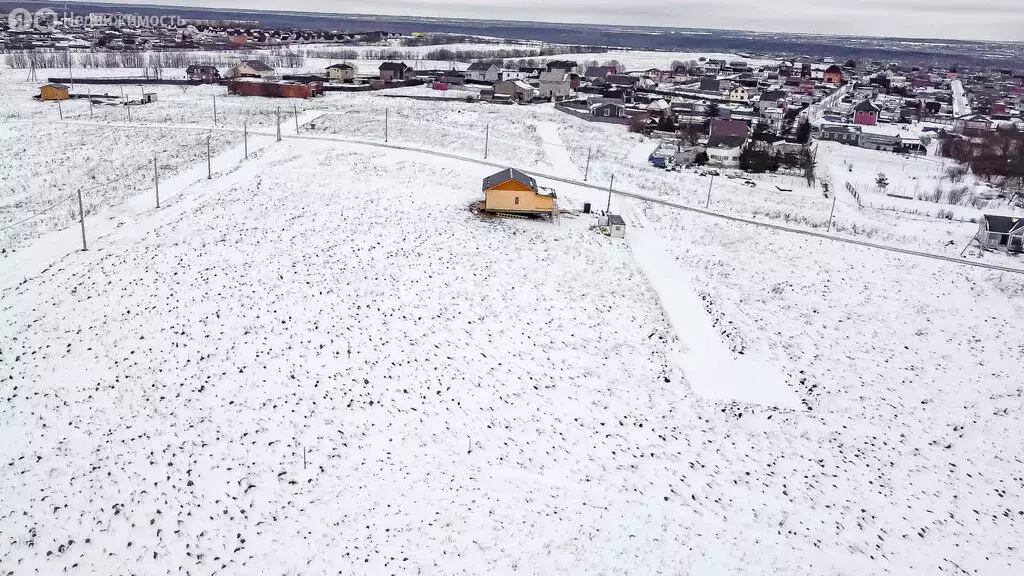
point(616, 226)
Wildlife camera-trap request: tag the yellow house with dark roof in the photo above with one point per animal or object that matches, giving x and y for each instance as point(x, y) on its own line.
point(513, 191)
point(54, 92)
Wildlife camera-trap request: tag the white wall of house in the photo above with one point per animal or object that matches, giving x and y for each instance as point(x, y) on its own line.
point(724, 157)
point(341, 73)
point(554, 84)
point(514, 75)
point(490, 75)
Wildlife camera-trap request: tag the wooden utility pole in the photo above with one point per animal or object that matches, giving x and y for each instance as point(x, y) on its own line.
point(295, 111)
point(608, 210)
point(586, 171)
point(278, 123)
point(90, 104)
point(245, 138)
point(385, 124)
point(832, 213)
point(214, 109)
point(156, 182)
point(708, 203)
point(487, 139)
point(129, 107)
point(209, 163)
point(60, 110)
point(81, 219)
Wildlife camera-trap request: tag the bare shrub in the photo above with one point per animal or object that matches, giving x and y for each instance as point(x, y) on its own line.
point(957, 194)
point(956, 174)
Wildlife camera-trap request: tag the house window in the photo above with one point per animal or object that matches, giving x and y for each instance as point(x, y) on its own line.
point(517, 199)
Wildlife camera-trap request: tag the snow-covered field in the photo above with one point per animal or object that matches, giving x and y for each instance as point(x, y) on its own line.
point(320, 361)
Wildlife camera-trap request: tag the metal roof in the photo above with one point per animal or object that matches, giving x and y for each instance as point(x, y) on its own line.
point(1003, 224)
point(509, 174)
point(615, 220)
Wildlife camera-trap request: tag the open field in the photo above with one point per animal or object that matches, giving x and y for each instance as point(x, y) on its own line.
point(320, 361)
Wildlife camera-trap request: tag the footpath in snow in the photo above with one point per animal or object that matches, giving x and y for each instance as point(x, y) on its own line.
point(711, 368)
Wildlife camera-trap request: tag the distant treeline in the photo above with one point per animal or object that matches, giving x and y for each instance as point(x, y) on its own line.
point(290, 57)
point(23, 59)
point(449, 55)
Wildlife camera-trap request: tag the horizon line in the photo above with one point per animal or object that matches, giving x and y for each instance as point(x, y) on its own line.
point(463, 18)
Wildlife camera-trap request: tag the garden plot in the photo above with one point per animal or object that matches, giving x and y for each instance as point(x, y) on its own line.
point(918, 183)
point(48, 162)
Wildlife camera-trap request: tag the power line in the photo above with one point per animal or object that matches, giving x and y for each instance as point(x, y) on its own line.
point(40, 213)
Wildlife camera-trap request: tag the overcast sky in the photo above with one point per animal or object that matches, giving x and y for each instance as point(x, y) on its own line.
point(963, 19)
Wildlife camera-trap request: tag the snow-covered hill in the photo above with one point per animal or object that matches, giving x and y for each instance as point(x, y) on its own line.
point(291, 373)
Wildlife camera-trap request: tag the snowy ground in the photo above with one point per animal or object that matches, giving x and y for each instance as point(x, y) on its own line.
point(488, 396)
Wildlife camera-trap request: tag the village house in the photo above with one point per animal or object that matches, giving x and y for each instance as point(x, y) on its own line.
point(518, 74)
point(514, 90)
point(726, 142)
point(252, 69)
point(1001, 233)
point(880, 142)
point(452, 78)
point(597, 75)
point(555, 84)
point(833, 75)
point(866, 113)
point(973, 124)
point(515, 192)
point(203, 73)
point(770, 99)
point(842, 133)
point(54, 92)
point(483, 72)
point(567, 66)
point(608, 110)
point(394, 71)
point(343, 72)
point(739, 94)
point(659, 109)
point(624, 80)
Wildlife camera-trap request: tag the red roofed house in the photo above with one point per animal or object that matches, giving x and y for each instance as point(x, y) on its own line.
point(866, 113)
point(834, 75)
